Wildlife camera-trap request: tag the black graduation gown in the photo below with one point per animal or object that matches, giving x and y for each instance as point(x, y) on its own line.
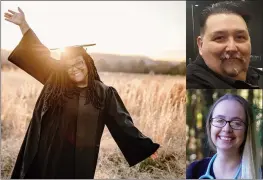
point(34, 58)
point(199, 76)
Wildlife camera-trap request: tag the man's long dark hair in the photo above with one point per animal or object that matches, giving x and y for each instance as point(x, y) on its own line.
point(60, 87)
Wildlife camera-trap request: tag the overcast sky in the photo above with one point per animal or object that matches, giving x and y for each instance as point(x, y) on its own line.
point(153, 28)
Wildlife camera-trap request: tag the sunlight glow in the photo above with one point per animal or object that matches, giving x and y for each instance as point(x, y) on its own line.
point(61, 50)
point(156, 29)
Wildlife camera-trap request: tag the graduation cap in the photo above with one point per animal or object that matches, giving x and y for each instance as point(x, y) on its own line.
point(68, 51)
point(75, 46)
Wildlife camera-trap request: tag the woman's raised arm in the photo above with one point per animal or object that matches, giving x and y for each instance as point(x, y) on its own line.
point(18, 19)
point(30, 54)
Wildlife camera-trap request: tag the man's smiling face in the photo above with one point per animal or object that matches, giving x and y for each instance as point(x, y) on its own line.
point(225, 45)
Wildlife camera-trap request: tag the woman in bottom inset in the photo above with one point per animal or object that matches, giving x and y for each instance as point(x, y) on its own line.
point(230, 127)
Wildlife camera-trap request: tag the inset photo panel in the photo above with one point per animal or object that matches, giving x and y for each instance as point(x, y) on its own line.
point(224, 134)
point(224, 44)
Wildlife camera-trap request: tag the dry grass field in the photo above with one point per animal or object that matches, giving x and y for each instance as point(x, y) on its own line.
point(155, 102)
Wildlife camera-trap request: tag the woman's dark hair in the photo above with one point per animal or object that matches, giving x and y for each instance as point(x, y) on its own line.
point(57, 90)
point(224, 7)
point(247, 110)
point(60, 87)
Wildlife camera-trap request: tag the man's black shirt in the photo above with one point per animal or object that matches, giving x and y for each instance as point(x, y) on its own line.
point(200, 76)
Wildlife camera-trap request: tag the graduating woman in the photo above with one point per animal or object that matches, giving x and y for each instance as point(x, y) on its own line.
point(230, 129)
point(63, 137)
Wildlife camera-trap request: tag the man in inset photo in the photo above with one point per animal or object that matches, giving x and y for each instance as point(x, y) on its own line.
point(224, 47)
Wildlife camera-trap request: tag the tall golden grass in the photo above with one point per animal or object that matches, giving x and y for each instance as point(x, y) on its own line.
point(155, 102)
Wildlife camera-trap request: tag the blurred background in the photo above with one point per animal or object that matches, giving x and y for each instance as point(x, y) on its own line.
point(132, 37)
point(198, 104)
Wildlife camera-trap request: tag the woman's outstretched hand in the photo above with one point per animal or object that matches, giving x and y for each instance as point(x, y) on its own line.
point(17, 18)
point(154, 156)
point(14, 17)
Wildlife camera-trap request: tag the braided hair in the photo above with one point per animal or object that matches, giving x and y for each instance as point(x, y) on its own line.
point(60, 87)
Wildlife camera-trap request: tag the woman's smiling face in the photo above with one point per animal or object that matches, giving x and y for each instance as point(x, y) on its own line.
point(227, 138)
point(77, 69)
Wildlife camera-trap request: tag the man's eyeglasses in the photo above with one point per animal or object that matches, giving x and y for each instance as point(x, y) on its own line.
point(78, 65)
point(234, 124)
